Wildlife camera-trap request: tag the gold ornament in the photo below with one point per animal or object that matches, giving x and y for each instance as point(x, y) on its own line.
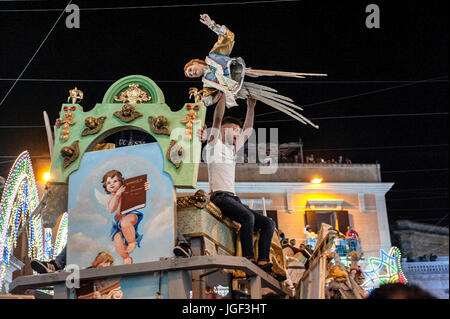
point(75, 95)
point(191, 118)
point(67, 122)
point(134, 94)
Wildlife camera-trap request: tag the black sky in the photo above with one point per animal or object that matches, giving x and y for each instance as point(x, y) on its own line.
point(401, 68)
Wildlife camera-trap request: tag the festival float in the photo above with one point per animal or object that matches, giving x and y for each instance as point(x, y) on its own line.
point(125, 250)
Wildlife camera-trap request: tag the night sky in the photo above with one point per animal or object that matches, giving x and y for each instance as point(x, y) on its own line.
point(397, 72)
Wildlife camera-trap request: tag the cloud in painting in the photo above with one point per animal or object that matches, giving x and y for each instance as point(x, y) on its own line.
point(160, 224)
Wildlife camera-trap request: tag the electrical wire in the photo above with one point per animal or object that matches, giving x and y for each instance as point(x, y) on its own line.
point(257, 81)
point(415, 198)
point(35, 53)
point(157, 6)
point(355, 116)
point(416, 170)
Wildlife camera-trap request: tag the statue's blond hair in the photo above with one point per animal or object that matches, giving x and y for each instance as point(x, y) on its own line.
point(101, 258)
point(199, 61)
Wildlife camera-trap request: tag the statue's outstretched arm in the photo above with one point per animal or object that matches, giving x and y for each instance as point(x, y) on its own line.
point(225, 41)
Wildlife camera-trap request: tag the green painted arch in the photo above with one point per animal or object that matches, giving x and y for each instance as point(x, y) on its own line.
point(144, 82)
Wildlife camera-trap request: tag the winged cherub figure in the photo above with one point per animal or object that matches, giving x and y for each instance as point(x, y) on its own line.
point(222, 74)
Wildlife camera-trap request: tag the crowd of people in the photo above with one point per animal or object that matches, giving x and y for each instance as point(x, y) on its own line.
point(295, 157)
point(320, 160)
point(343, 244)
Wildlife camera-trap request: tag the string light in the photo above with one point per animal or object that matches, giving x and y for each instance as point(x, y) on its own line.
point(61, 236)
point(18, 201)
point(385, 269)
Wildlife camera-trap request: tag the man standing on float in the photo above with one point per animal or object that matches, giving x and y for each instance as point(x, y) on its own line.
point(225, 139)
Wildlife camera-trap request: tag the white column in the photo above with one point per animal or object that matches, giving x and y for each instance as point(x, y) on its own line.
point(362, 203)
point(383, 223)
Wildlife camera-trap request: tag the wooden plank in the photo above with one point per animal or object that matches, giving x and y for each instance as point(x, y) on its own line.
point(255, 287)
point(20, 284)
point(180, 284)
point(61, 291)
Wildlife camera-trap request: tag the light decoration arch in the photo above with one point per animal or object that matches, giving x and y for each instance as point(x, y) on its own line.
point(18, 201)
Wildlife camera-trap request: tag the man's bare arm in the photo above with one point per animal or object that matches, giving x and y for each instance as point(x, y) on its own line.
point(247, 129)
point(217, 121)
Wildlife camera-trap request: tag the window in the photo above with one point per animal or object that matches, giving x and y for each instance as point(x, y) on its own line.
point(337, 219)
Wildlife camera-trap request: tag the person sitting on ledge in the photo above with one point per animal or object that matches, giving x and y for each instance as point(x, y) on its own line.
point(224, 141)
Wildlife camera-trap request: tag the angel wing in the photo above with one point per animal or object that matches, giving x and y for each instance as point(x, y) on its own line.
point(102, 198)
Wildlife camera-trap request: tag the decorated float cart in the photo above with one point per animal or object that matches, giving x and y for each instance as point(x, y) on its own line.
point(77, 194)
point(81, 156)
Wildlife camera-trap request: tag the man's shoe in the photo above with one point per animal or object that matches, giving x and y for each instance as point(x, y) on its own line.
point(267, 267)
point(182, 251)
point(44, 267)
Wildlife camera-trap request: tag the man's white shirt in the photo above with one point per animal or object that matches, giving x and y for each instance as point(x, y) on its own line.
point(221, 162)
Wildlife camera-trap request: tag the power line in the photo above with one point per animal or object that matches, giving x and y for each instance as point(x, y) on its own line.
point(6, 162)
point(374, 147)
point(317, 118)
point(414, 218)
point(415, 198)
point(443, 218)
point(32, 156)
point(257, 81)
point(416, 209)
point(353, 116)
point(419, 189)
point(35, 53)
point(21, 126)
point(372, 92)
point(156, 6)
point(416, 170)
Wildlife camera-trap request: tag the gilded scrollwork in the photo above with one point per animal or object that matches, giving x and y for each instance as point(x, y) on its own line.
point(67, 122)
point(133, 94)
point(175, 153)
point(191, 118)
point(201, 200)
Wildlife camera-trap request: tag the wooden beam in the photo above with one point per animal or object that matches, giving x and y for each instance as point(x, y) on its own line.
point(20, 284)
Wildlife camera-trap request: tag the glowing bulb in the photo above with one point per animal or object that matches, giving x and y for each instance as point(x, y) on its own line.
point(316, 180)
point(46, 176)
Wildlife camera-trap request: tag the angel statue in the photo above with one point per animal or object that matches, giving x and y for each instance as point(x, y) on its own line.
point(222, 74)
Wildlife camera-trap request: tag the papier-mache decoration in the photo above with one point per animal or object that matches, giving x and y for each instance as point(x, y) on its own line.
point(222, 74)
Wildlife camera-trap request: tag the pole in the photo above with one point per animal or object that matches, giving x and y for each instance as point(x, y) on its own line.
point(49, 133)
point(301, 151)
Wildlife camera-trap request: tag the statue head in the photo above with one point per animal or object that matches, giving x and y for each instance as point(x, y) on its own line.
point(127, 110)
point(66, 151)
point(194, 68)
point(161, 121)
point(90, 122)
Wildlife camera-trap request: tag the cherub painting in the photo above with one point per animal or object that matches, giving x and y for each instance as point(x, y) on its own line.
point(121, 201)
point(124, 231)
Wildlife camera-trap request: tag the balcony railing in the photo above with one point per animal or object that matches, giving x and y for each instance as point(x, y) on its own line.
point(426, 267)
